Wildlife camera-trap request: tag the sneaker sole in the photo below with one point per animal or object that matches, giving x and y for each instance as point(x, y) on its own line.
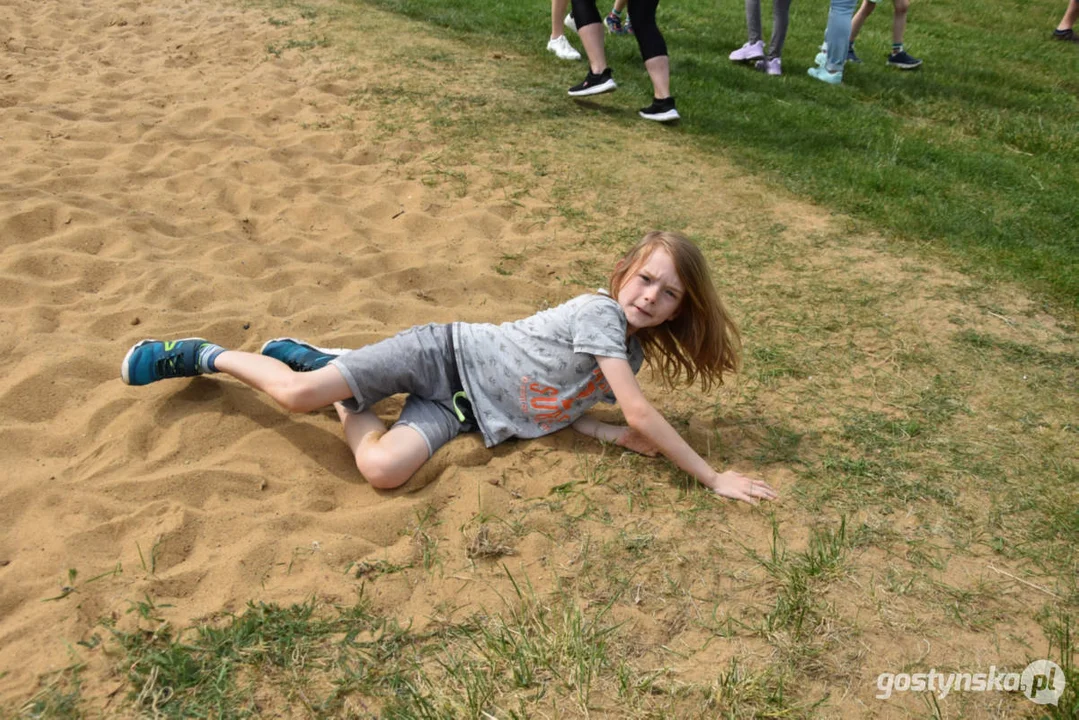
point(563, 56)
point(826, 80)
point(905, 66)
point(747, 59)
point(606, 87)
point(125, 373)
point(324, 351)
point(662, 117)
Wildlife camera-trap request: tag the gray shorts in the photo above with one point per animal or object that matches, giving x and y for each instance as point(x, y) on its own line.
point(418, 362)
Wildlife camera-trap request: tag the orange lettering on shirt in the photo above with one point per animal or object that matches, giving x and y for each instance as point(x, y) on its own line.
point(544, 403)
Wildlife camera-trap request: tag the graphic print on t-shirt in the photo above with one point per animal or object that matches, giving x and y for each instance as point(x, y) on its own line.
point(546, 407)
point(533, 376)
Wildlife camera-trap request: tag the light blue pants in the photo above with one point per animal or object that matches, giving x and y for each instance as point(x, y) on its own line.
point(837, 34)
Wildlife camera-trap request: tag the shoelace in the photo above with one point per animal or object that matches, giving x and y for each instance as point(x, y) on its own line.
point(170, 366)
point(308, 361)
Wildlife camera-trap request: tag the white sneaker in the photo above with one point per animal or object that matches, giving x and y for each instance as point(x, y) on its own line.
point(748, 52)
point(560, 46)
point(570, 22)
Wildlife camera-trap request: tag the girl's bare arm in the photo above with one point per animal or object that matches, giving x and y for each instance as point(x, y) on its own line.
point(646, 420)
point(627, 437)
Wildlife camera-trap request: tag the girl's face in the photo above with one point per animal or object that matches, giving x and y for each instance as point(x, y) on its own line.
point(651, 294)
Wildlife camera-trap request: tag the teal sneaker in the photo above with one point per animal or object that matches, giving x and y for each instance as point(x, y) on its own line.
point(152, 360)
point(298, 355)
point(832, 78)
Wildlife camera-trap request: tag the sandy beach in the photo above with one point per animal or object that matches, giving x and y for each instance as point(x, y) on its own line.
point(164, 176)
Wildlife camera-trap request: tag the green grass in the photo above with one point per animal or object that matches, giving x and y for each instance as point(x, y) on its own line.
point(798, 611)
point(58, 697)
point(974, 153)
point(233, 668)
point(315, 660)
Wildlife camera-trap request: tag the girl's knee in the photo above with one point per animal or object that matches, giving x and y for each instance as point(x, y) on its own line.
point(901, 6)
point(296, 394)
point(381, 468)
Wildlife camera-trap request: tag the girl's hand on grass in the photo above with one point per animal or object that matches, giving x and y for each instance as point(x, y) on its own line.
point(630, 439)
point(740, 487)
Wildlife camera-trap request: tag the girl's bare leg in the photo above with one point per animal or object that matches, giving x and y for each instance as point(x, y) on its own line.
point(899, 21)
point(592, 39)
point(558, 17)
point(387, 459)
point(860, 17)
point(294, 391)
point(659, 70)
point(1070, 16)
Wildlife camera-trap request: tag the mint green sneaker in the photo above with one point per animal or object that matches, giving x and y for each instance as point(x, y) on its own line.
point(819, 73)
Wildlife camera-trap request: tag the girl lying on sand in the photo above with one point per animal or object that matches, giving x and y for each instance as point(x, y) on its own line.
point(520, 379)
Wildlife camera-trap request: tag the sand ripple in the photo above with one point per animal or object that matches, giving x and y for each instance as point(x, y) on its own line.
point(162, 175)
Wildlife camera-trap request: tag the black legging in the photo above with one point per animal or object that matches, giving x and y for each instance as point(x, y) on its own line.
point(641, 12)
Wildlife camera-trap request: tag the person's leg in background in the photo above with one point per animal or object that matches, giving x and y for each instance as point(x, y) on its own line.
point(867, 8)
point(837, 39)
point(1064, 30)
point(772, 62)
point(558, 44)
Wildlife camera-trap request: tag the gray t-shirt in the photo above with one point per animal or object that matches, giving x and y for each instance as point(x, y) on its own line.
point(537, 375)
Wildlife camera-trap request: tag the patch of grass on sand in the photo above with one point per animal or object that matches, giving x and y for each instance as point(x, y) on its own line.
point(313, 659)
point(59, 696)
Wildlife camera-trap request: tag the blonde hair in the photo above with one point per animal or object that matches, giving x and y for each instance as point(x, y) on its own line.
point(702, 339)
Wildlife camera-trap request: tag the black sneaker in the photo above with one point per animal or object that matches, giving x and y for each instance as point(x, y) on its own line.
point(903, 60)
point(594, 84)
point(1066, 35)
point(660, 110)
